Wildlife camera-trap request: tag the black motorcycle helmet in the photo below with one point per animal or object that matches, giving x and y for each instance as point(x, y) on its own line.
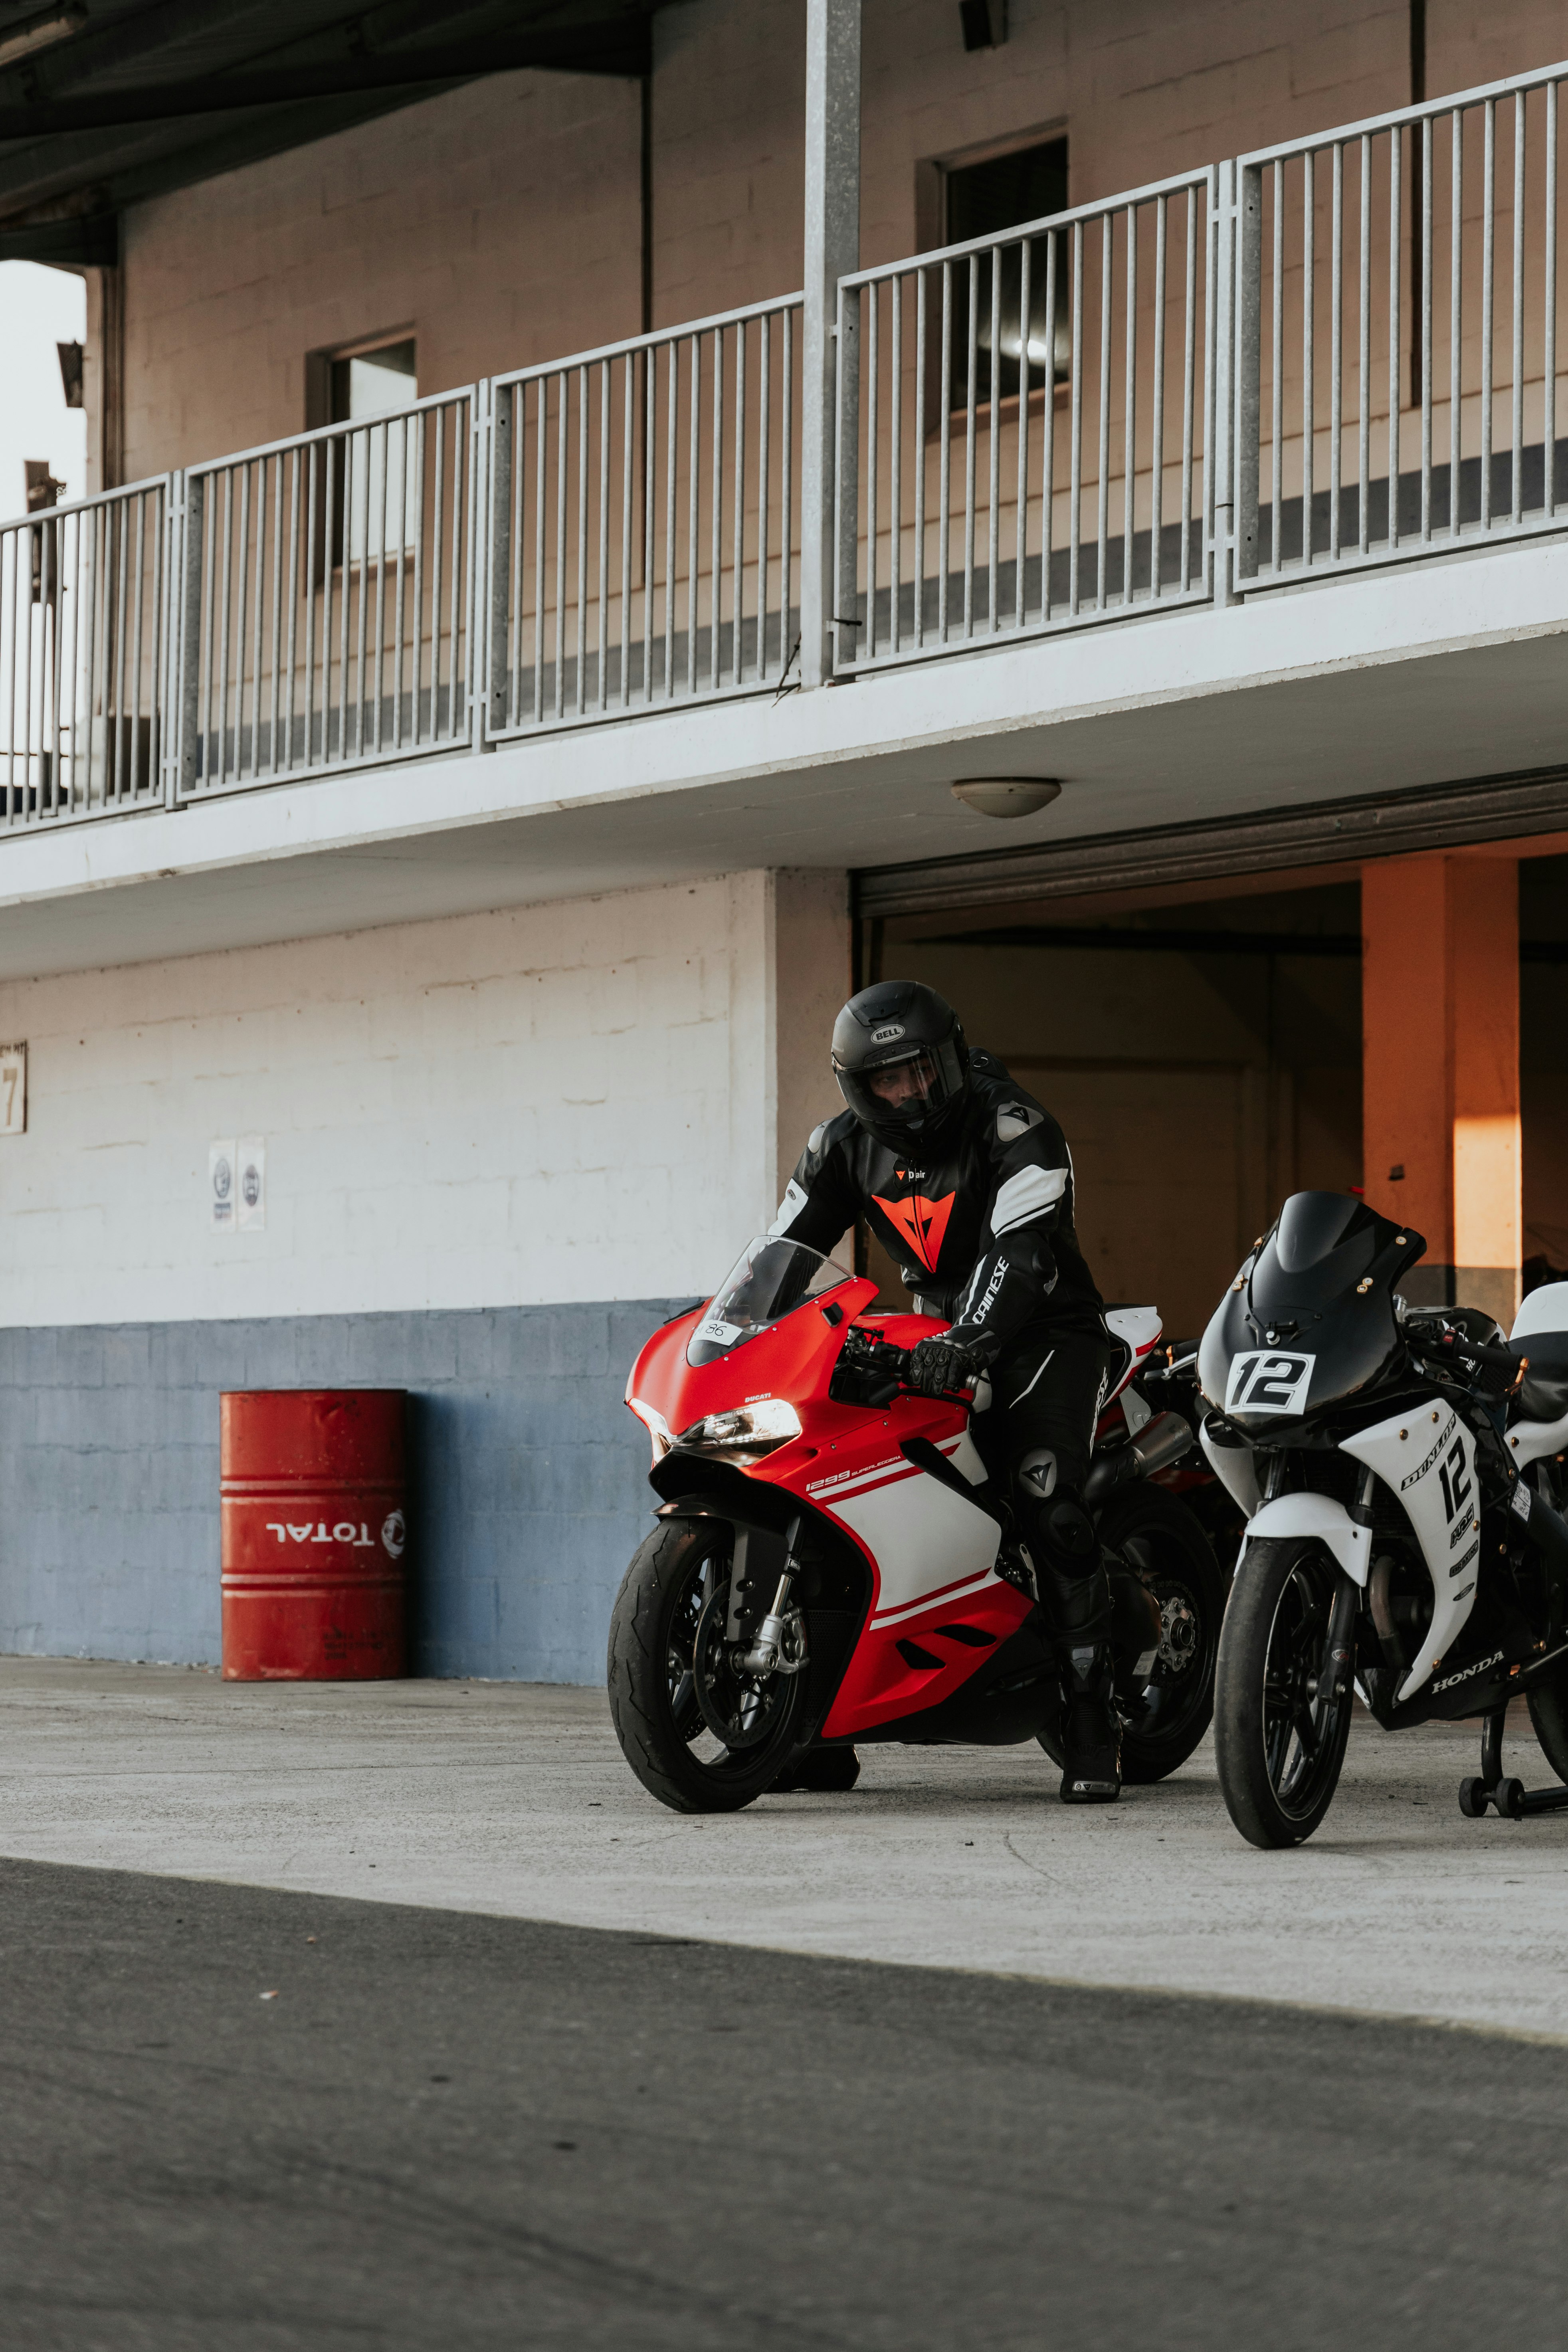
point(901, 1063)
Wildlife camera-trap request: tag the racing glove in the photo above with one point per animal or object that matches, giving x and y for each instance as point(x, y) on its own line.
point(936, 1367)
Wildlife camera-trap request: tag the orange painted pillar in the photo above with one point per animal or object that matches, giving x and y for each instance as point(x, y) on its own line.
point(1440, 1070)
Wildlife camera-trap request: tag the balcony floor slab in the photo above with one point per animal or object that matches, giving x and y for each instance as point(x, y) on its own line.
point(1372, 683)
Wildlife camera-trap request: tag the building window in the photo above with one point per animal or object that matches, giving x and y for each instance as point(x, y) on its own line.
point(369, 479)
point(373, 382)
point(988, 197)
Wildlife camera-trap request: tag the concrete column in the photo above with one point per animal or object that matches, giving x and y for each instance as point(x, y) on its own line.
point(832, 248)
point(1440, 1070)
point(811, 980)
point(788, 953)
point(103, 378)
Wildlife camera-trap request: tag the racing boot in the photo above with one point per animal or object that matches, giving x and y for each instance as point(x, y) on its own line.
point(1091, 1728)
point(1076, 1597)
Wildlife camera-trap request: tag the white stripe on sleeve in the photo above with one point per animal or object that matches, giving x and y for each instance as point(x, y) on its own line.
point(1028, 1194)
point(790, 1207)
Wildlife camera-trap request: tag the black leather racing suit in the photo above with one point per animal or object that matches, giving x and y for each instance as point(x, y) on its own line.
point(984, 1235)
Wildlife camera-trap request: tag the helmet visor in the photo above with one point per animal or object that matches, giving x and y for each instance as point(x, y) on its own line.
point(901, 1095)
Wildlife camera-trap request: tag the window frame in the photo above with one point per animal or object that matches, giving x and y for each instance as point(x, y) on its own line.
point(933, 176)
point(319, 367)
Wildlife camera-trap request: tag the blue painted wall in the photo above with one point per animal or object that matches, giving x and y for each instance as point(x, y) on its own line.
point(528, 1480)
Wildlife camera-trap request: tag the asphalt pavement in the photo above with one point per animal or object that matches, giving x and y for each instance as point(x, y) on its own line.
point(397, 2017)
point(241, 2120)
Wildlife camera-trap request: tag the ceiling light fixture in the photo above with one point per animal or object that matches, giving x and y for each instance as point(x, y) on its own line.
point(1007, 796)
point(40, 33)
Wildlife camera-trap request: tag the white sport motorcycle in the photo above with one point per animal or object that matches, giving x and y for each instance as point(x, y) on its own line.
point(1399, 1474)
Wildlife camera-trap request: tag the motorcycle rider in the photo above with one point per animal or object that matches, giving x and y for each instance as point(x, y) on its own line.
point(968, 1182)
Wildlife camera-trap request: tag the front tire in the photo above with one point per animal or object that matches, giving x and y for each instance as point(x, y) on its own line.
point(1277, 1747)
point(666, 1637)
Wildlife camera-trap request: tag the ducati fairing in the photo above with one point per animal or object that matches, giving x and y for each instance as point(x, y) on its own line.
point(846, 1538)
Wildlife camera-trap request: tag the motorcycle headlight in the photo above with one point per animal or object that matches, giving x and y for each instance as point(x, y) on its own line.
point(749, 1429)
point(653, 1422)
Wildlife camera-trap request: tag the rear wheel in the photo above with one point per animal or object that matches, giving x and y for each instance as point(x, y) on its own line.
point(1278, 1746)
point(700, 1734)
point(1168, 1713)
point(1166, 1710)
point(1548, 1701)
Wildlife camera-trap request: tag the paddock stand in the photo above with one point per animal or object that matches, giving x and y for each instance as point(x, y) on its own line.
point(1511, 1799)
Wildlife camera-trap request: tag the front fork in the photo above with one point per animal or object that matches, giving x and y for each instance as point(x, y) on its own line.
point(1337, 1670)
point(780, 1646)
point(1338, 1667)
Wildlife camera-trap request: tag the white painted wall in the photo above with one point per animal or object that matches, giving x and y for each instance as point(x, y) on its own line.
point(579, 1101)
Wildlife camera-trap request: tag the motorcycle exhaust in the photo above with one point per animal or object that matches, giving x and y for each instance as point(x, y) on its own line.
point(1158, 1443)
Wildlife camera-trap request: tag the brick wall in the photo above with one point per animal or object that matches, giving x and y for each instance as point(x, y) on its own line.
point(500, 1148)
point(575, 1101)
point(500, 223)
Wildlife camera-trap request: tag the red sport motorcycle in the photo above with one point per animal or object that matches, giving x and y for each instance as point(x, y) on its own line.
point(833, 1564)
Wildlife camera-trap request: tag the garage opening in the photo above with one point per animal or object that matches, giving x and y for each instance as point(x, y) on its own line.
point(1201, 1049)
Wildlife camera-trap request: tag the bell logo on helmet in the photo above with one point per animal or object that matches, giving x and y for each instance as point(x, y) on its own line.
point(887, 1032)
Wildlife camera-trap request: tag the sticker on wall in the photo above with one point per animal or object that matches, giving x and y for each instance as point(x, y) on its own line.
point(250, 1179)
point(13, 1091)
point(220, 1186)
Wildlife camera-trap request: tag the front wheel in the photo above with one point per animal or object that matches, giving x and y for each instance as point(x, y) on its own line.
point(1279, 1745)
point(701, 1735)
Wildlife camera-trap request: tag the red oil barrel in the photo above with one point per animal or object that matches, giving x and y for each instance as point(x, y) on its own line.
point(314, 1535)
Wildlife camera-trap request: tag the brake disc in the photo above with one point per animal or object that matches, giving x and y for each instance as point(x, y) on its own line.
point(738, 1708)
point(1178, 1632)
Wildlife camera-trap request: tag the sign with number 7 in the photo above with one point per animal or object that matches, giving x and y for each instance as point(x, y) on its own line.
point(13, 1091)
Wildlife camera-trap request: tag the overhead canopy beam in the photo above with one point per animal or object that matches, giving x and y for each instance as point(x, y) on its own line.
point(92, 242)
point(247, 32)
point(165, 95)
point(619, 49)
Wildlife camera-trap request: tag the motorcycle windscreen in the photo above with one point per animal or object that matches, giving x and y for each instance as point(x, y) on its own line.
point(1310, 1319)
point(769, 1280)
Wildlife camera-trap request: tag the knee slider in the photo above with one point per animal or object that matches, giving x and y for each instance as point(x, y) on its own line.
point(1036, 1474)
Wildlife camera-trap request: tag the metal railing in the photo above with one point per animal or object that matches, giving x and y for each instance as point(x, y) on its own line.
point(1335, 352)
point(326, 600)
point(82, 621)
point(644, 522)
point(1024, 429)
point(1396, 342)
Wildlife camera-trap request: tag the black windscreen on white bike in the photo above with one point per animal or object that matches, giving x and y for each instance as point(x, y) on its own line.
point(1310, 1319)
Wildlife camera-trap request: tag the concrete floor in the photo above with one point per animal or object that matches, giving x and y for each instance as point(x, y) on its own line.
point(513, 1799)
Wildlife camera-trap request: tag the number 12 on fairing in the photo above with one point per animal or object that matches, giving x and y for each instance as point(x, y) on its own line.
point(1457, 1488)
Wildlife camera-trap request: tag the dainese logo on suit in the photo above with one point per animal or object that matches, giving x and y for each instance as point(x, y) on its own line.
point(922, 1222)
